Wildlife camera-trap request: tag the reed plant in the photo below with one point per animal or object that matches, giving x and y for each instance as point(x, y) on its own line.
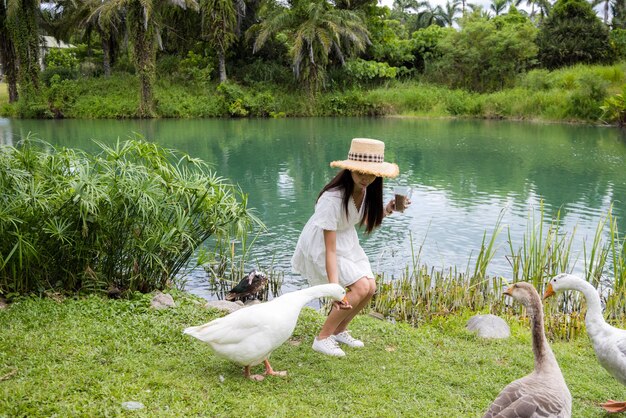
point(226, 263)
point(545, 251)
point(129, 217)
point(422, 293)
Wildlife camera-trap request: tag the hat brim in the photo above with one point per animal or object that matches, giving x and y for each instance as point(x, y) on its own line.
point(390, 170)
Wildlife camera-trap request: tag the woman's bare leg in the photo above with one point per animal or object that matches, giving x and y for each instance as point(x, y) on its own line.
point(343, 325)
point(359, 295)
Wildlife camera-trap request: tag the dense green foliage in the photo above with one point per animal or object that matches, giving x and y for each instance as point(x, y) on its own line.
point(614, 109)
point(101, 353)
point(318, 31)
point(572, 94)
point(296, 48)
point(129, 217)
point(485, 54)
point(573, 34)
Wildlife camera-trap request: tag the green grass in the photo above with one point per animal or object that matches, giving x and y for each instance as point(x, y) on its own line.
point(571, 94)
point(84, 357)
point(4, 94)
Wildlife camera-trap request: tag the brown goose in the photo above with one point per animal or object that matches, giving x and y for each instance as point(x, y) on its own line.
point(543, 393)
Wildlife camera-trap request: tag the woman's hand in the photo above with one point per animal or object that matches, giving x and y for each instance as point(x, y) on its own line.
point(390, 207)
point(342, 304)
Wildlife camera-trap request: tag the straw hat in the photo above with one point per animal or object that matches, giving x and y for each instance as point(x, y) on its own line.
point(368, 156)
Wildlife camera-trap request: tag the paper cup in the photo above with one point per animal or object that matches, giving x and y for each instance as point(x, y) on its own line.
point(402, 194)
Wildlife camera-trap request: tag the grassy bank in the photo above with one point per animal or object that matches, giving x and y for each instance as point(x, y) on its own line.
point(572, 94)
point(86, 357)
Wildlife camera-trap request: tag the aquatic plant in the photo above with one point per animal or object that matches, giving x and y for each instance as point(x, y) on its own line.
point(422, 293)
point(128, 218)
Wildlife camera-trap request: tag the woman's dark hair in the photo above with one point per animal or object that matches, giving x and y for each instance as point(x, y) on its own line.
point(373, 212)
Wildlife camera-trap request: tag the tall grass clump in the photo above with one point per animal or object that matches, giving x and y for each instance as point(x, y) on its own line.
point(228, 261)
point(545, 251)
point(130, 216)
point(616, 301)
point(422, 293)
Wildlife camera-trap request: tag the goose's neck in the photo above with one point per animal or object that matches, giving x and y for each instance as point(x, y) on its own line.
point(594, 317)
point(299, 299)
point(541, 349)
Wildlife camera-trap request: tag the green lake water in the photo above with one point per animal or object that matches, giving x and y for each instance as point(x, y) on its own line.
point(464, 176)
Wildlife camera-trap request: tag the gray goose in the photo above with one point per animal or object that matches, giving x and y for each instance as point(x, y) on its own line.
point(542, 393)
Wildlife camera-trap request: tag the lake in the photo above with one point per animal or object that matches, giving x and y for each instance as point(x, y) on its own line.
point(465, 175)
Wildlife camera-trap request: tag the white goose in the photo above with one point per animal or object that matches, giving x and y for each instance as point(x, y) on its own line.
point(543, 393)
point(249, 335)
point(609, 342)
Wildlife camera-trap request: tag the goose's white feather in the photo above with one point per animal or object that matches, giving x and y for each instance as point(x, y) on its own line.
point(609, 342)
point(249, 335)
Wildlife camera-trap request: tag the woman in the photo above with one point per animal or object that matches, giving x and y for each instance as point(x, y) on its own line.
point(328, 250)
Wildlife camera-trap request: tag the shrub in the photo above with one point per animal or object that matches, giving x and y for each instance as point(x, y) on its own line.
point(61, 58)
point(614, 109)
point(195, 68)
point(61, 95)
point(617, 39)
point(536, 80)
point(130, 217)
point(362, 70)
point(485, 55)
point(571, 34)
point(352, 103)
point(584, 101)
point(59, 73)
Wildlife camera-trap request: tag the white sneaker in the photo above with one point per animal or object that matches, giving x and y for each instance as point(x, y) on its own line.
point(347, 339)
point(328, 346)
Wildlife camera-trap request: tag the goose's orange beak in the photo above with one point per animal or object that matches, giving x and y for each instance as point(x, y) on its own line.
point(345, 300)
point(549, 291)
point(508, 291)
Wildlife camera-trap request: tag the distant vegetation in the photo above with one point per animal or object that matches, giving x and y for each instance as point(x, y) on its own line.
point(221, 58)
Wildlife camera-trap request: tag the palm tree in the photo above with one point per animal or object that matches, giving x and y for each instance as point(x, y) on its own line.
point(431, 16)
point(449, 11)
point(145, 21)
point(86, 16)
point(498, 6)
point(544, 8)
point(406, 6)
point(618, 10)
point(220, 26)
point(479, 10)
point(605, 8)
point(316, 31)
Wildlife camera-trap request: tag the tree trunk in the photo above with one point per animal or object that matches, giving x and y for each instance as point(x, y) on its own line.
point(24, 31)
point(222, 66)
point(7, 56)
point(145, 56)
point(106, 53)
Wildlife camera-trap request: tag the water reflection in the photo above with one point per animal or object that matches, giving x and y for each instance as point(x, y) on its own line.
point(464, 175)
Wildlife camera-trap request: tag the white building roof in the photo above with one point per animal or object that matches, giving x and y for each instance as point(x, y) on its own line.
point(52, 42)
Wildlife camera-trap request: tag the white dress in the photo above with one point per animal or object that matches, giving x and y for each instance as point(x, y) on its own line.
point(309, 258)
